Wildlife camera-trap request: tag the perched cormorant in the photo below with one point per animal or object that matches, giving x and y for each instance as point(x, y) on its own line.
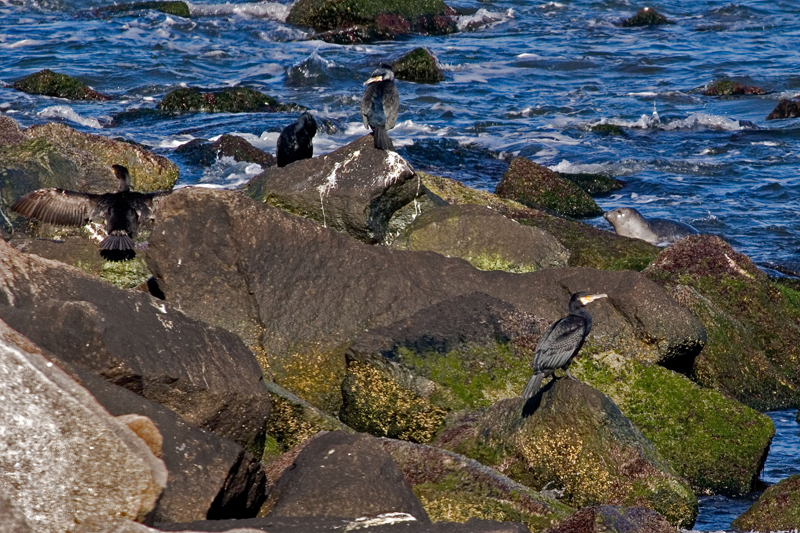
point(122, 212)
point(562, 341)
point(379, 105)
point(294, 142)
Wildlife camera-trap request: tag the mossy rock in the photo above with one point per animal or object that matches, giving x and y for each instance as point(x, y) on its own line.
point(418, 66)
point(571, 438)
point(785, 109)
point(179, 9)
point(588, 246)
point(485, 238)
point(729, 87)
point(534, 185)
point(608, 129)
point(455, 488)
point(753, 348)
point(778, 509)
point(233, 100)
point(716, 443)
point(324, 15)
point(594, 184)
point(647, 16)
point(51, 83)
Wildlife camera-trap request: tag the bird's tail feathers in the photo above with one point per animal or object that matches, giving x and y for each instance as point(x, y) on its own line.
point(118, 246)
point(533, 385)
point(382, 140)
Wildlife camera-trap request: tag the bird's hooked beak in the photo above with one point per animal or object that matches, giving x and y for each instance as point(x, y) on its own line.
point(373, 80)
point(591, 297)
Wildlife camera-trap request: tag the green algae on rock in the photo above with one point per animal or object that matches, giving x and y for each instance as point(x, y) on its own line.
point(485, 238)
point(778, 509)
point(588, 246)
point(716, 443)
point(577, 441)
point(608, 129)
point(232, 100)
point(730, 87)
point(594, 184)
point(419, 65)
point(177, 8)
point(647, 16)
point(455, 488)
point(51, 83)
point(753, 348)
point(537, 186)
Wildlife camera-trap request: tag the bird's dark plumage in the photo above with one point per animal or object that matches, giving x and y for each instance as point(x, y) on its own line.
point(122, 212)
point(294, 142)
point(561, 342)
point(380, 104)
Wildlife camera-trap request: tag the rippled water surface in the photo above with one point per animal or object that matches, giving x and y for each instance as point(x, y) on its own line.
point(527, 78)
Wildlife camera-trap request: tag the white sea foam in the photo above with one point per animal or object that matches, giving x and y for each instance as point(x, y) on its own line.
point(22, 43)
point(270, 10)
point(176, 141)
point(227, 173)
point(65, 112)
point(614, 168)
point(482, 18)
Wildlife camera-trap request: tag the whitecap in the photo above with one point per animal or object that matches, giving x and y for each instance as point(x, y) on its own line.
point(23, 42)
point(176, 141)
point(704, 120)
point(269, 10)
point(227, 173)
point(65, 112)
point(483, 17)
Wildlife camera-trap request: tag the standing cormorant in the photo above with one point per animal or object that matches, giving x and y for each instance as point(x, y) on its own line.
point(380, 104)
point(122, 212)
point(294, 142)
point(561, 342)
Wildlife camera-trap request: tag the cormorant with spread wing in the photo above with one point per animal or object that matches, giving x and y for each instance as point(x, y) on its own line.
point(562, 341)
point(380, 104)
point(122, 212)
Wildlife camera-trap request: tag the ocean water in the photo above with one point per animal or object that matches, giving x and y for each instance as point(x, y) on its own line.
point(527, 78)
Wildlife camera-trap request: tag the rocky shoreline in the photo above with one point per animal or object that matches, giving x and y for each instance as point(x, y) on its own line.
point(342, 344)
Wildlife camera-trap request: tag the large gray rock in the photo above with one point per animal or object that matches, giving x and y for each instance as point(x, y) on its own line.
point(355, 189)
point(485, 238)
point(66, 465)
point(343, 475)
point(203, 373)
point(299, 294)
point(209, 476)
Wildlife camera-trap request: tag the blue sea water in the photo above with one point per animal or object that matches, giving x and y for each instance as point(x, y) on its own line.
point(526, 78)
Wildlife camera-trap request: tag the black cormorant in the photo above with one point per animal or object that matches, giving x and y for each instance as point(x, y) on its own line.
point(379, 105)
point(122, 212)
point(294, 142)
point(562, 341)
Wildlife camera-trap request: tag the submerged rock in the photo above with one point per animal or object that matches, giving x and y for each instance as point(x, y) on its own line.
point(647, 16)
point(232, 100)
point(785, 109)
point(778, 509)
point(729, 87)
point(753, 344)
point(355, 189)
point(573, 439)
point(383, 17)
point(455, 488)
point(537, 186)
point(419, 65)
point(51, 83)
point(177, 8)
point(588, 246)
point(485, 238)
point(206, 153)
point(613, 519)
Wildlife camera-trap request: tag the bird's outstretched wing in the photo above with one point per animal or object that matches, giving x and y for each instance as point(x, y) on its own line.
point(366, 102)
point(57, 206)
point(145, 203)
point(559, 343)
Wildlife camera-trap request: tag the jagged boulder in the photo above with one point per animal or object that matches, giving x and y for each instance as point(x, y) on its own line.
point(573, 439)
point(455, 488)
point(419, 66)
point(778, 509)
point(299, 294)
point(203, 373)
point(355, 189)
point(67, 465)
point(588, 246)
point(485, 238)
point(753, 344)
point(49, 83)
point(535, 186)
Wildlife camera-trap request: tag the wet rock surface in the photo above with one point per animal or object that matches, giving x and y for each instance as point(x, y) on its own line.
point(613, 519)
point(778, 509)
point(419, 66)
point(647, 16)
point(729, 88)
point(785, 109)
point(49, 83)
point(180, 9)
point(207, 153)
point(232, 100)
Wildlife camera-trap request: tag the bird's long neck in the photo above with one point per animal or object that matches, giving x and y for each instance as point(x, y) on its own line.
point(584, 314)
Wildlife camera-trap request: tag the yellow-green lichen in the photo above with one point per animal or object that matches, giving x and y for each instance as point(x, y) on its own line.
point(125, 274)
point(314, 372)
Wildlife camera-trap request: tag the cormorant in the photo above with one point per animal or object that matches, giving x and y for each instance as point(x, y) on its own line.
point(122, 212)
point(379, 105)
point(294, 142)
point(562, 341)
